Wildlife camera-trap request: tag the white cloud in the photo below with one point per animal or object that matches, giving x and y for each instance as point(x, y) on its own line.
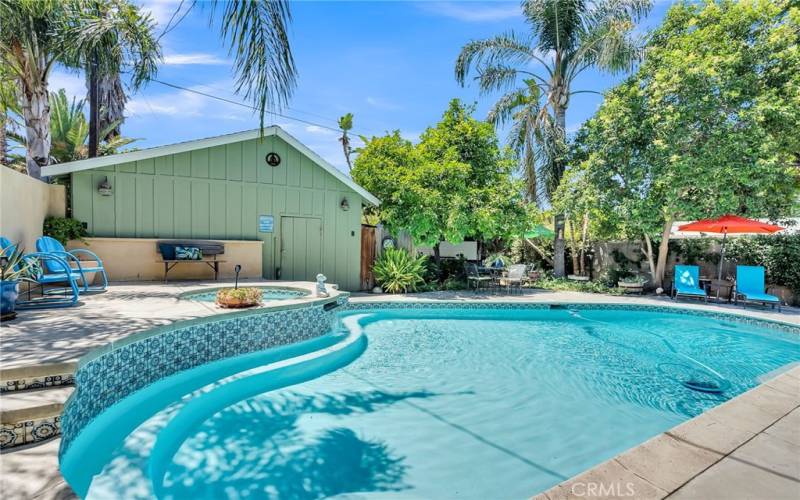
point(314, 129)
point(377, 102)
point(73, 83)
point(473, 11)
point(161, 10)
point(197, 58)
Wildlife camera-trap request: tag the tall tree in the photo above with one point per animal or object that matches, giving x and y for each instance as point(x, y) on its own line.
point(35, 34)
point(707, 126)
point(345, 125)
point(566, 38)
point(455, 183)
point(38, 34)
point(256, 35)
point(116, 36)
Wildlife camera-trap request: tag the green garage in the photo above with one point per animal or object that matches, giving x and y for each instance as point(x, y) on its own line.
point(242, 186)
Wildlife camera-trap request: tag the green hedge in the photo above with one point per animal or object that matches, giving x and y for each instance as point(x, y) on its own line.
point(779, 254)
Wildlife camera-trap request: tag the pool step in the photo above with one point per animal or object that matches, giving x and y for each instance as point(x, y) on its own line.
point(31, 402)
point(37, 376)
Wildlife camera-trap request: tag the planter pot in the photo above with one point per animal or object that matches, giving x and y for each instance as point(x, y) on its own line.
point(236, 303)
point(631, 287)
point(9, 291)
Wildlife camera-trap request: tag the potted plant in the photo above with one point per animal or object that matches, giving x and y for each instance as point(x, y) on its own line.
point(631, 284)
point(237, 298)
point(13, 267)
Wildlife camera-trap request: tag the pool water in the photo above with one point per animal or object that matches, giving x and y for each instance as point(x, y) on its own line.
point(457, 403)
point(267, 294)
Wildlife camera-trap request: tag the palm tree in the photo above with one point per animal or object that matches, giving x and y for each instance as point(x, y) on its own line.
point(567, 37)
point(115, 36)
point(345, 124)
point(70, 131)
point(255, 32)
point(38, 34)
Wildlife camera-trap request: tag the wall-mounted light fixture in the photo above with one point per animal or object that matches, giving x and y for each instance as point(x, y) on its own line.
point(344, 205)
point(104, 188)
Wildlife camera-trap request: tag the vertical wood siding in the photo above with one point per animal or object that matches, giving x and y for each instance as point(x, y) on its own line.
point(218, 193)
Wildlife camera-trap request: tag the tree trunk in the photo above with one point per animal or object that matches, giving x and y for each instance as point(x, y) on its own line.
point(558, 247)
point(3, 140)
point(436, 256)
point(94, 112)
point(663, 251)
point(111, 100)
point(648, 252)
point(558, 219)
point(584, 235)
point(574, 247)
point(35, 104)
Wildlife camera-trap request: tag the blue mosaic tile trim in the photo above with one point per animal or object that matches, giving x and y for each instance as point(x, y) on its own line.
point(111, 376)
point(29, 431)
point(738, 318)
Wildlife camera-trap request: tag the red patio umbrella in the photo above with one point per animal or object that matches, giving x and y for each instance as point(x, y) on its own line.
point(729, 224)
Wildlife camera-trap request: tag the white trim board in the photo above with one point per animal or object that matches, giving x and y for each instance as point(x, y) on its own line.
point(209, 142)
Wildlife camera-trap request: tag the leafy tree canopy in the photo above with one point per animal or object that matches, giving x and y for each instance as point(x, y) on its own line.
point(455, 183)
point(707, 126)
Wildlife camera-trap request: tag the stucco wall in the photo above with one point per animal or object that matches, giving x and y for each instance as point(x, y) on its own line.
point(137, 259)
point(24, 203)
point(219, 193)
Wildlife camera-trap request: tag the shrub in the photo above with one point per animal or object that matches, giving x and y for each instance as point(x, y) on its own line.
point(565, 285)
point(64, 229)
point(398, 272)
point(779, 254)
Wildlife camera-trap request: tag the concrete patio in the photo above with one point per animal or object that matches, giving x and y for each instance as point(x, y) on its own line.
point(766, 459)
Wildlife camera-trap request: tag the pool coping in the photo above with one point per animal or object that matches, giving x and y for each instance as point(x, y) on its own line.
point(667, 462)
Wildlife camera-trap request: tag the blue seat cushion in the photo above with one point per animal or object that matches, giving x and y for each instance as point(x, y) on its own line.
point(762, 297)
point(685, 290)
point(57, 278)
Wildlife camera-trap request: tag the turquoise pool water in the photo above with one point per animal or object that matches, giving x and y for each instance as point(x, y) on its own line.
point(267, 294)
point(447, 403)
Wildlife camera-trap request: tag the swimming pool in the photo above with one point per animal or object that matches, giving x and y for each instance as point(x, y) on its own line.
point(267, 294)
point(431, 403)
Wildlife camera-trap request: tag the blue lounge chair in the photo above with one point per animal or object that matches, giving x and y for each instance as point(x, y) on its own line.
point(750, 287)
point(49, 245)
point(687, 283)
point(38, 264)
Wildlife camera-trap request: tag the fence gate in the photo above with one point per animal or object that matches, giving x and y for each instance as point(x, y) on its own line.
point(368, 246)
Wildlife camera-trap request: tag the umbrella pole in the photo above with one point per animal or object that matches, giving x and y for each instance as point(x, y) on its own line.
point(722, 254)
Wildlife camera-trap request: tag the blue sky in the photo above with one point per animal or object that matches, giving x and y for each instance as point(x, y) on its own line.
point(389, 63)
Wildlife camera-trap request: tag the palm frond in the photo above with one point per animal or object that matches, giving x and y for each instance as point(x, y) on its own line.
point(557, 23)
point(508, 49)
point(257, 37)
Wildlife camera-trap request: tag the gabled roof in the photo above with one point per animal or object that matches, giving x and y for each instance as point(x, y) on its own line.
point(182, 147)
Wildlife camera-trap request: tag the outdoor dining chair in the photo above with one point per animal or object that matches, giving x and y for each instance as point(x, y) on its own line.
point(514, 277)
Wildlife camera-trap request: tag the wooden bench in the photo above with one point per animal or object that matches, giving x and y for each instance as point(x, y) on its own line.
point(208, 248)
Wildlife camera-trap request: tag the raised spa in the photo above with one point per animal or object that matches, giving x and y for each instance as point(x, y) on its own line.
point(268, 293)
point(449, 401)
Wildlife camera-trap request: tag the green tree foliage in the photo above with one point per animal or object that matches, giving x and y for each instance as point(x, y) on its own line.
point(455, 183)
point(707, 126)
point(779, 254)
point(566, 38)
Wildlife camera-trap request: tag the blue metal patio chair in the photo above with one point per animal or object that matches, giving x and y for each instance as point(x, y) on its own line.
point(46, 244)
point(38, 263)
point(750, 287)
point(687, 283)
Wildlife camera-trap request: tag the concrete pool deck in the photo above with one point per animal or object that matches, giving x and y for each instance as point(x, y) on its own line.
point(764, 454)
